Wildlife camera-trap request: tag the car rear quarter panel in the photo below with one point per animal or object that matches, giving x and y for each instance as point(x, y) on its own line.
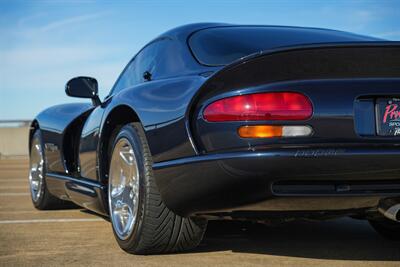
point(161, 107)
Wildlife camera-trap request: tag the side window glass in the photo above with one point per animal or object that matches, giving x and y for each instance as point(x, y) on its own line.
point(158, 58)
point(147, 60)
point(167, 60)
point(127, 78)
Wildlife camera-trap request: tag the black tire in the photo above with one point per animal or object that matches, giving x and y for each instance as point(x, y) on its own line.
point(156, 229)
point(45, 200)
point(387, 228)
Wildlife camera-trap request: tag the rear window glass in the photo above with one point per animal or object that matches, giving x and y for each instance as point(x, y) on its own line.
point(223, 45)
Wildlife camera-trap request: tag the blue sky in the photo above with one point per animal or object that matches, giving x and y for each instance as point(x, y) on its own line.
point(45, 43)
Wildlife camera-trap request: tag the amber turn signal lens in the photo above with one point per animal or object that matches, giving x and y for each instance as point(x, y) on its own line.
point(269, 131)
point(260, 131)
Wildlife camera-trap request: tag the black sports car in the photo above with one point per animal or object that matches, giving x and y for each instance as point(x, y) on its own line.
point(212, 121)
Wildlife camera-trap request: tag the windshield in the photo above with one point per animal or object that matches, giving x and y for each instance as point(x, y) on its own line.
point(223, 45)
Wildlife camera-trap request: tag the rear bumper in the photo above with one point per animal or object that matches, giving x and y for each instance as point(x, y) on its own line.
point(273, 179)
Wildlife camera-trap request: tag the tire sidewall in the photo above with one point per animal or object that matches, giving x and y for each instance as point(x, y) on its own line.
point(130, 133)
point(40, 200)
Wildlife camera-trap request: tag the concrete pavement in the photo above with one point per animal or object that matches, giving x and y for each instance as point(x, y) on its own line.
point(76, 237)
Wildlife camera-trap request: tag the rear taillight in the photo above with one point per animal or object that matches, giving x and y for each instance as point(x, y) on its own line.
point(260, 107)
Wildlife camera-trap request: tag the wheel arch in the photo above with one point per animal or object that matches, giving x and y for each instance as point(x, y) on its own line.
point(33, 127)
point(116, 118)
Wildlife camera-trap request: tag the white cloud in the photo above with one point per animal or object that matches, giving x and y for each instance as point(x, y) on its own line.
point(69, 21)
point(43, 25)
point(22, 22)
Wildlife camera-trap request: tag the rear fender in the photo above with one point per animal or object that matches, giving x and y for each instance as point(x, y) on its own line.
point(161, 107)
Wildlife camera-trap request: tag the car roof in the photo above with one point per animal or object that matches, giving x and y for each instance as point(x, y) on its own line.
point(184, 31)
point(188, 29)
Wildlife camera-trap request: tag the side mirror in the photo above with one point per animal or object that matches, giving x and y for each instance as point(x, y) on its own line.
point(84, 87)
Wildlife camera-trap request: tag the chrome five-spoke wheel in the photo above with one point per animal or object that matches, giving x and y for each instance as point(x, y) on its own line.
point(36, 169)
point(142, 223)
point(123, 188)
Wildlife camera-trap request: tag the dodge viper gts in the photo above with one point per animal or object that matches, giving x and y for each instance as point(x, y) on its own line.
point(218, 121)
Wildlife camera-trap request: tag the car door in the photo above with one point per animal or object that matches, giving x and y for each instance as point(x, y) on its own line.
point(90, 138)
point(89, 141)
point(142, 68)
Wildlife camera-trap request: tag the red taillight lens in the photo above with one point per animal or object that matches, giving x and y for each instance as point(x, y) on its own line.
point(262, 106)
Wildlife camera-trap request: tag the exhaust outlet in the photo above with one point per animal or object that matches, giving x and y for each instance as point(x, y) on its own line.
point(390, 209)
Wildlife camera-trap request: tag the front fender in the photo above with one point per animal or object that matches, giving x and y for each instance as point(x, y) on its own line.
point(54, 123)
